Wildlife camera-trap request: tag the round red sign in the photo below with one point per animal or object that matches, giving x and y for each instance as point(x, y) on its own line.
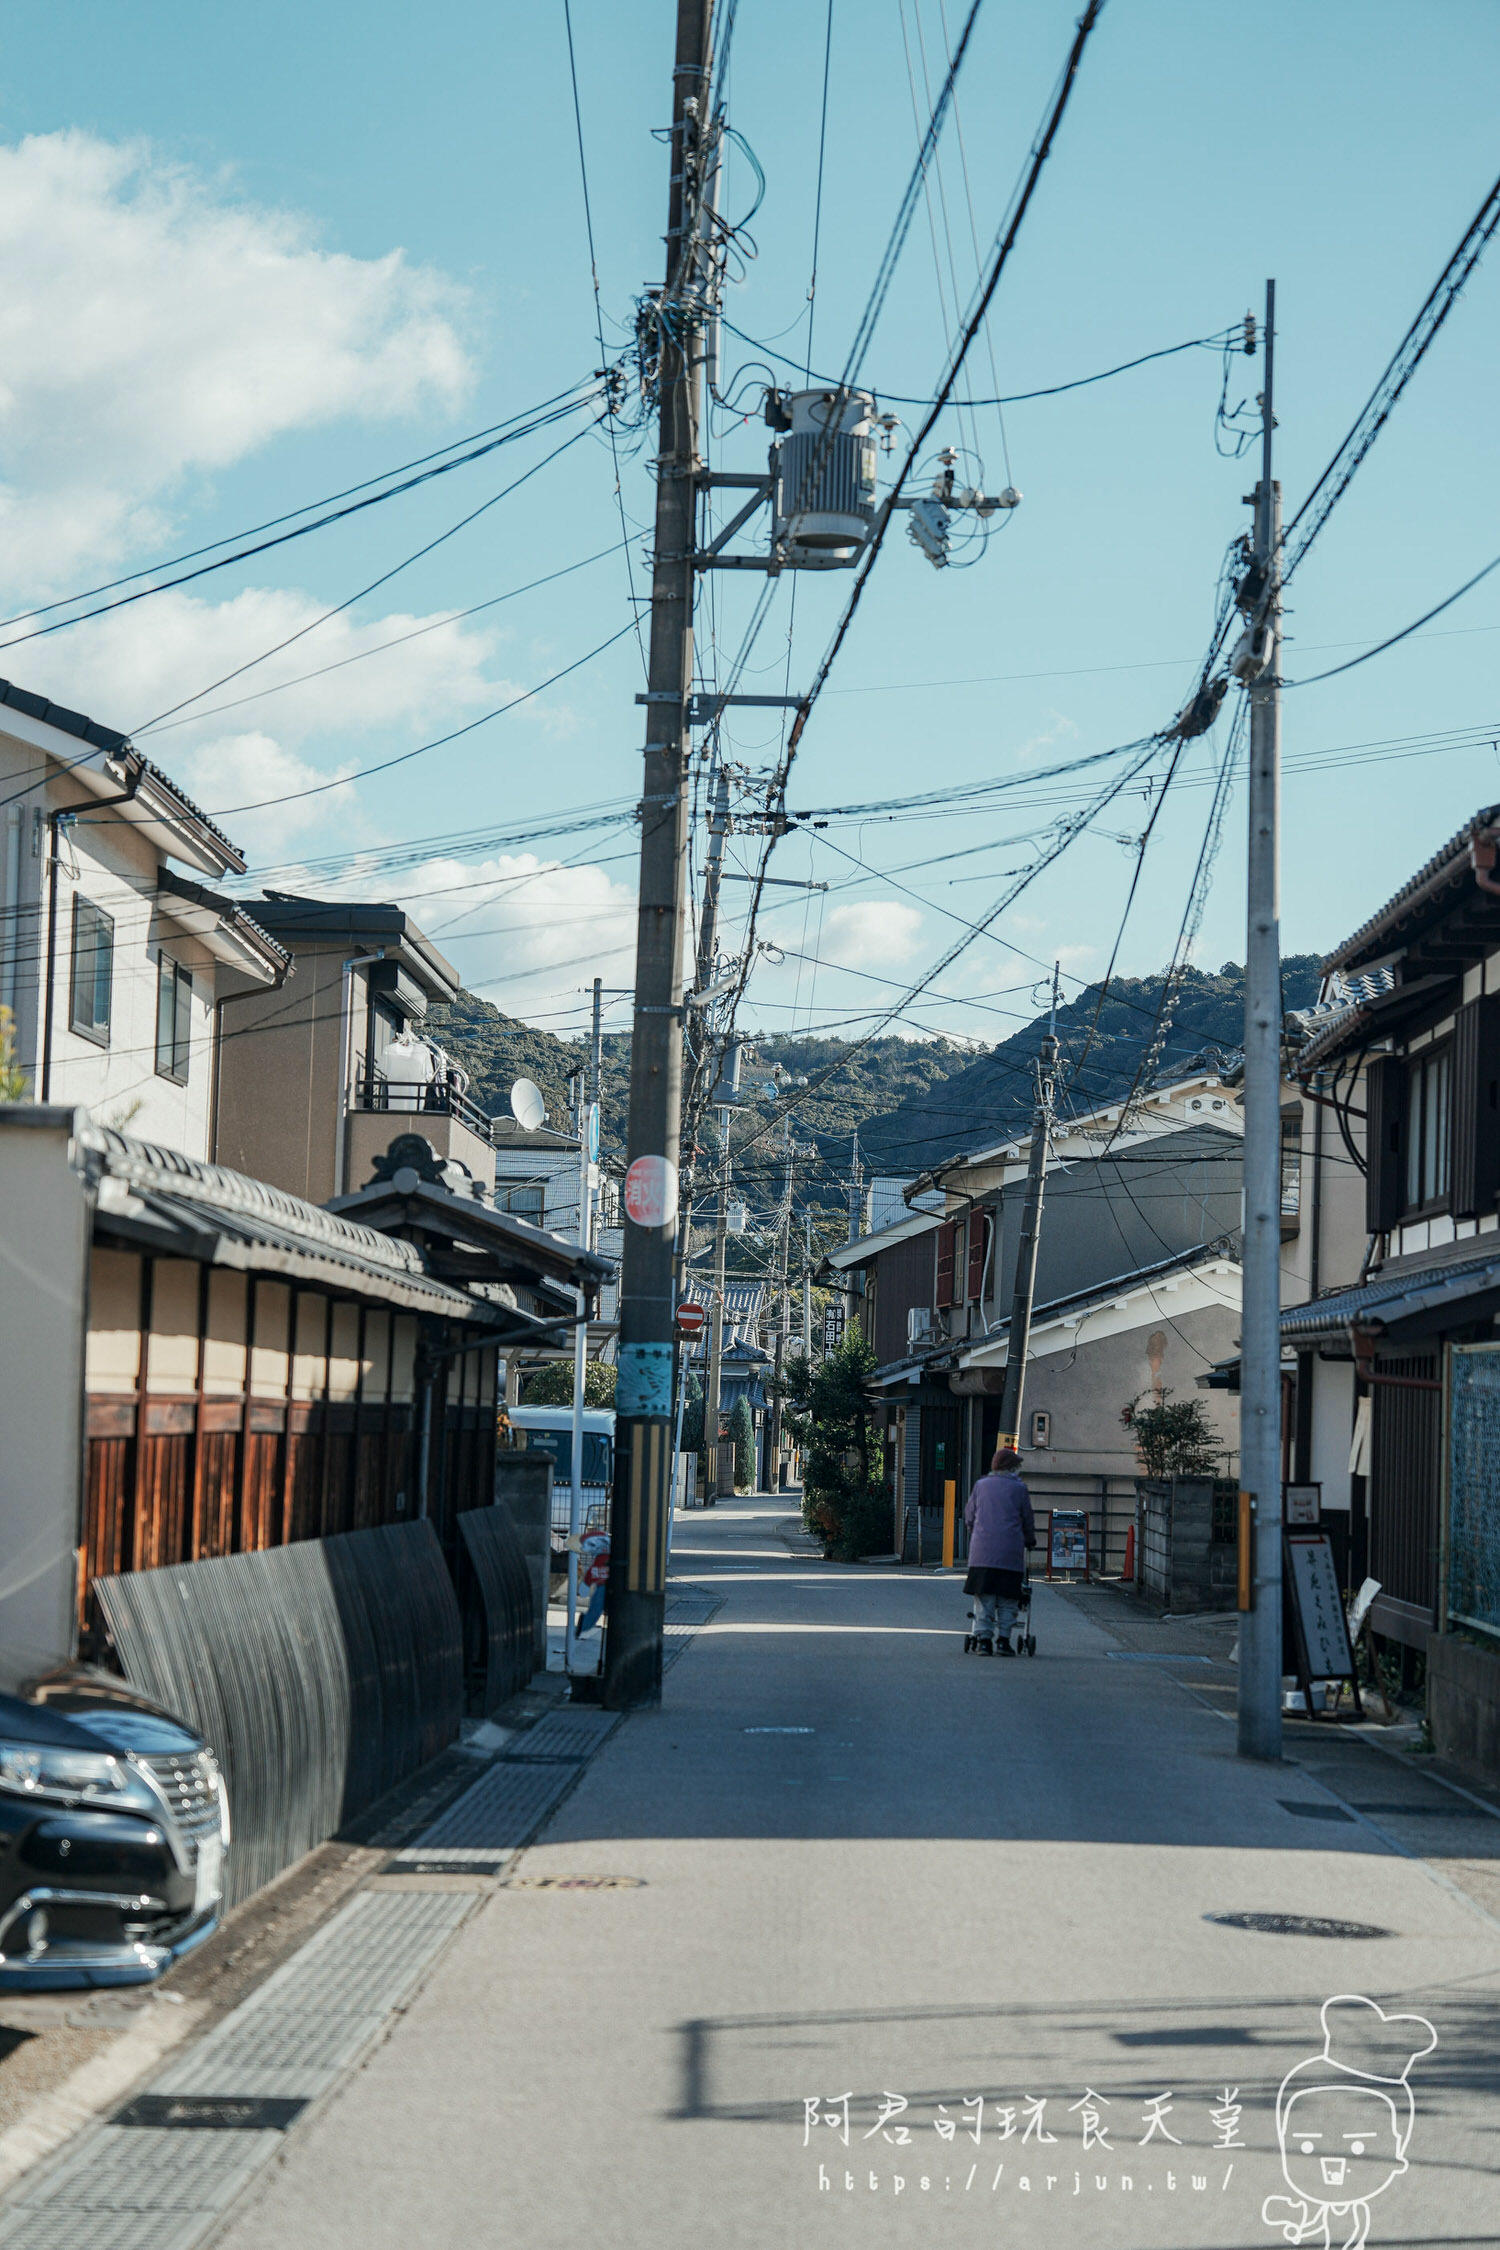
point(651, 1191)
point(690, 1318)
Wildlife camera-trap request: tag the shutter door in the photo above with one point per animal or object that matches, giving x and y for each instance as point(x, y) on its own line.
point(1385, 1143)
point(1476, 1108)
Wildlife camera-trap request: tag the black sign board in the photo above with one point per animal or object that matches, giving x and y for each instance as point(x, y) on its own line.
point(1320, 1631)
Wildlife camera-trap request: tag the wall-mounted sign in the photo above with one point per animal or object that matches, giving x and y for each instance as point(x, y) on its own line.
point(651, 1191)
point(1304, 1503)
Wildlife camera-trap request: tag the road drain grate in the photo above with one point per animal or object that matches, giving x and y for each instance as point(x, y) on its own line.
point(214, 2113)
point(1298, 1925)
point(1313, 1811)
point(577, 1883)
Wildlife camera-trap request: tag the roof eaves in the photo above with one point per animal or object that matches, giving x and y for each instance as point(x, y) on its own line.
point(1444, 867)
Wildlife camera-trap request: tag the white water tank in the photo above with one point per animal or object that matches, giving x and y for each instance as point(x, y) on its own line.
point(407, 1061)
point(825, 476)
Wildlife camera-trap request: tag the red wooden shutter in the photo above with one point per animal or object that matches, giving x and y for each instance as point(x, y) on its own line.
point(947, 1242)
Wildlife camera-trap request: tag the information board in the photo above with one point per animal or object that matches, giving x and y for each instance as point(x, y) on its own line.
point(1068, 1540)
point(1317, 1608)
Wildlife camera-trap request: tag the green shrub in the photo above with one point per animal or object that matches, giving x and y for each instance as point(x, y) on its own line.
point(844, 1502)
point(1173, 1440)
point(552, 1385)
point(742, 1431)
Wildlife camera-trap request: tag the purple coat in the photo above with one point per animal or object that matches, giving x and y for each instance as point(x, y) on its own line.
point(1001, 1525)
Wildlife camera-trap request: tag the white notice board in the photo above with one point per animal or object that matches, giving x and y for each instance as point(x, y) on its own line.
point(1318, 1606)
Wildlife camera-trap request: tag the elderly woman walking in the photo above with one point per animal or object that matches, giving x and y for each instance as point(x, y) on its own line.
point(1001, 1529)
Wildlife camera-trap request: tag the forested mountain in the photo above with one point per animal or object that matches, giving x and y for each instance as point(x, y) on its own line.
point(911, 1102)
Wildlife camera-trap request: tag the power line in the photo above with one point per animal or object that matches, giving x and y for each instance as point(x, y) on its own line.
point(1378, 407)
point(374, 585)
point(1405, 633)
point(588, 221)
point(384, 765)
point(1015, 398)
point(435, 625)
point(336, 515)
point(191, 554)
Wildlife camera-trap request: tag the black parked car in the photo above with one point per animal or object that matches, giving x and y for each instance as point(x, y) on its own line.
point(113, 1828)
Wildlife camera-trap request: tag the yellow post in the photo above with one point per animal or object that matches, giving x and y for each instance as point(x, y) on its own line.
point(950, 1506)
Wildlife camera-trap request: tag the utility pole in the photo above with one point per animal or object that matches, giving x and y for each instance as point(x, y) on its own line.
point(1260, 1661)
point(703, 976)
point(596, 1043)
point(1018, 1339)
point(636, 1596)
point(855, 1181)
point(807, 1287)
point(714, 1385)
point(783, 1312)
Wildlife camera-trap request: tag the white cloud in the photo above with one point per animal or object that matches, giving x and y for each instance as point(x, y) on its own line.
point(243, 769)
point(155, 326)
point(873, 934)
point(532, 932)
point(127, 668)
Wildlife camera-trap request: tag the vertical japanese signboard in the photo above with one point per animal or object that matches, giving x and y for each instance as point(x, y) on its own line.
point(1322, 1650)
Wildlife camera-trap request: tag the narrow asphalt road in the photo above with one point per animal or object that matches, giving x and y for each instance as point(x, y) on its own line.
point(867, 1866)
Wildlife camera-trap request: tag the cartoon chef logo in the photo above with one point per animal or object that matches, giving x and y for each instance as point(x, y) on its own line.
point(1344, 2118)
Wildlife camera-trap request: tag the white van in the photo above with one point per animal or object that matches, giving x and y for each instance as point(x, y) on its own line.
point(549, 1430)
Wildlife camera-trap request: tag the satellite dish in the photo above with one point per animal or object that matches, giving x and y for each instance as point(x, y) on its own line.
point(526, 1104)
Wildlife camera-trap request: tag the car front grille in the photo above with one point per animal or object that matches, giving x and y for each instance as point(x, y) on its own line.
point(189, 1781)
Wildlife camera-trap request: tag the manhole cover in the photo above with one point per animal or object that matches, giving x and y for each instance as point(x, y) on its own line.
point(577, 1883)
point(1298, 1925)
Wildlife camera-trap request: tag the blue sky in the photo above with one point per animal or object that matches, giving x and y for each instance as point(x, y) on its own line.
point(251, 257)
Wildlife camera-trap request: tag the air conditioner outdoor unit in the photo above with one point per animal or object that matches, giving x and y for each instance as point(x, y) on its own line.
point(919, 1324)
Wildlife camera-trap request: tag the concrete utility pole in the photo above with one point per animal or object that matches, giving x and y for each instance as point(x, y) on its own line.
point(807, 1287)
point(1018, 1340)
point(1260, 1348)
point(783, 1310)
point(856, 1178)
point(636, 1597)
point(715, 1383)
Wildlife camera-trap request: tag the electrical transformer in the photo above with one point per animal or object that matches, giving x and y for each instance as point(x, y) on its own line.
point(824, 496)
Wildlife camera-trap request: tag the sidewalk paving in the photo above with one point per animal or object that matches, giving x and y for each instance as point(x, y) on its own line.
point(844, 1859)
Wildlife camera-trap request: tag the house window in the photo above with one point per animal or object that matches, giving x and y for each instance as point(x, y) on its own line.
point(93, 970)
point(1291, 1174)
point(526, 1200)
point(174, 1018)
point(1429, 1084)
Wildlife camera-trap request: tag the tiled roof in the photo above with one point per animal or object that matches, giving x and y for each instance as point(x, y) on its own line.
point(114, 744)
point(1387, 1299)
point(1444, 867)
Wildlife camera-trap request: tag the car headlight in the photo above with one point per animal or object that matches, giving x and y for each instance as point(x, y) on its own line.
point(74, 1777)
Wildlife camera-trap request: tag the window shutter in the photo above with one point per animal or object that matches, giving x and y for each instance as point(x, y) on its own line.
point(947, 1242)
point(1385, 1143)
point(1475, 1171)
point(979, 1235)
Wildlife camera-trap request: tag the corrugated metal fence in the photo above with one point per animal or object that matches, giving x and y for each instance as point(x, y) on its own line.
point(321, 1674)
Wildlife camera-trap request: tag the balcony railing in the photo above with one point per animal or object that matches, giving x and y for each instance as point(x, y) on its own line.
point(436, 1099)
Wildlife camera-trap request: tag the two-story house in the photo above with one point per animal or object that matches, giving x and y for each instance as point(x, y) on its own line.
point(114, 961)
point(1397, 1400)
point(1136, 1294)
